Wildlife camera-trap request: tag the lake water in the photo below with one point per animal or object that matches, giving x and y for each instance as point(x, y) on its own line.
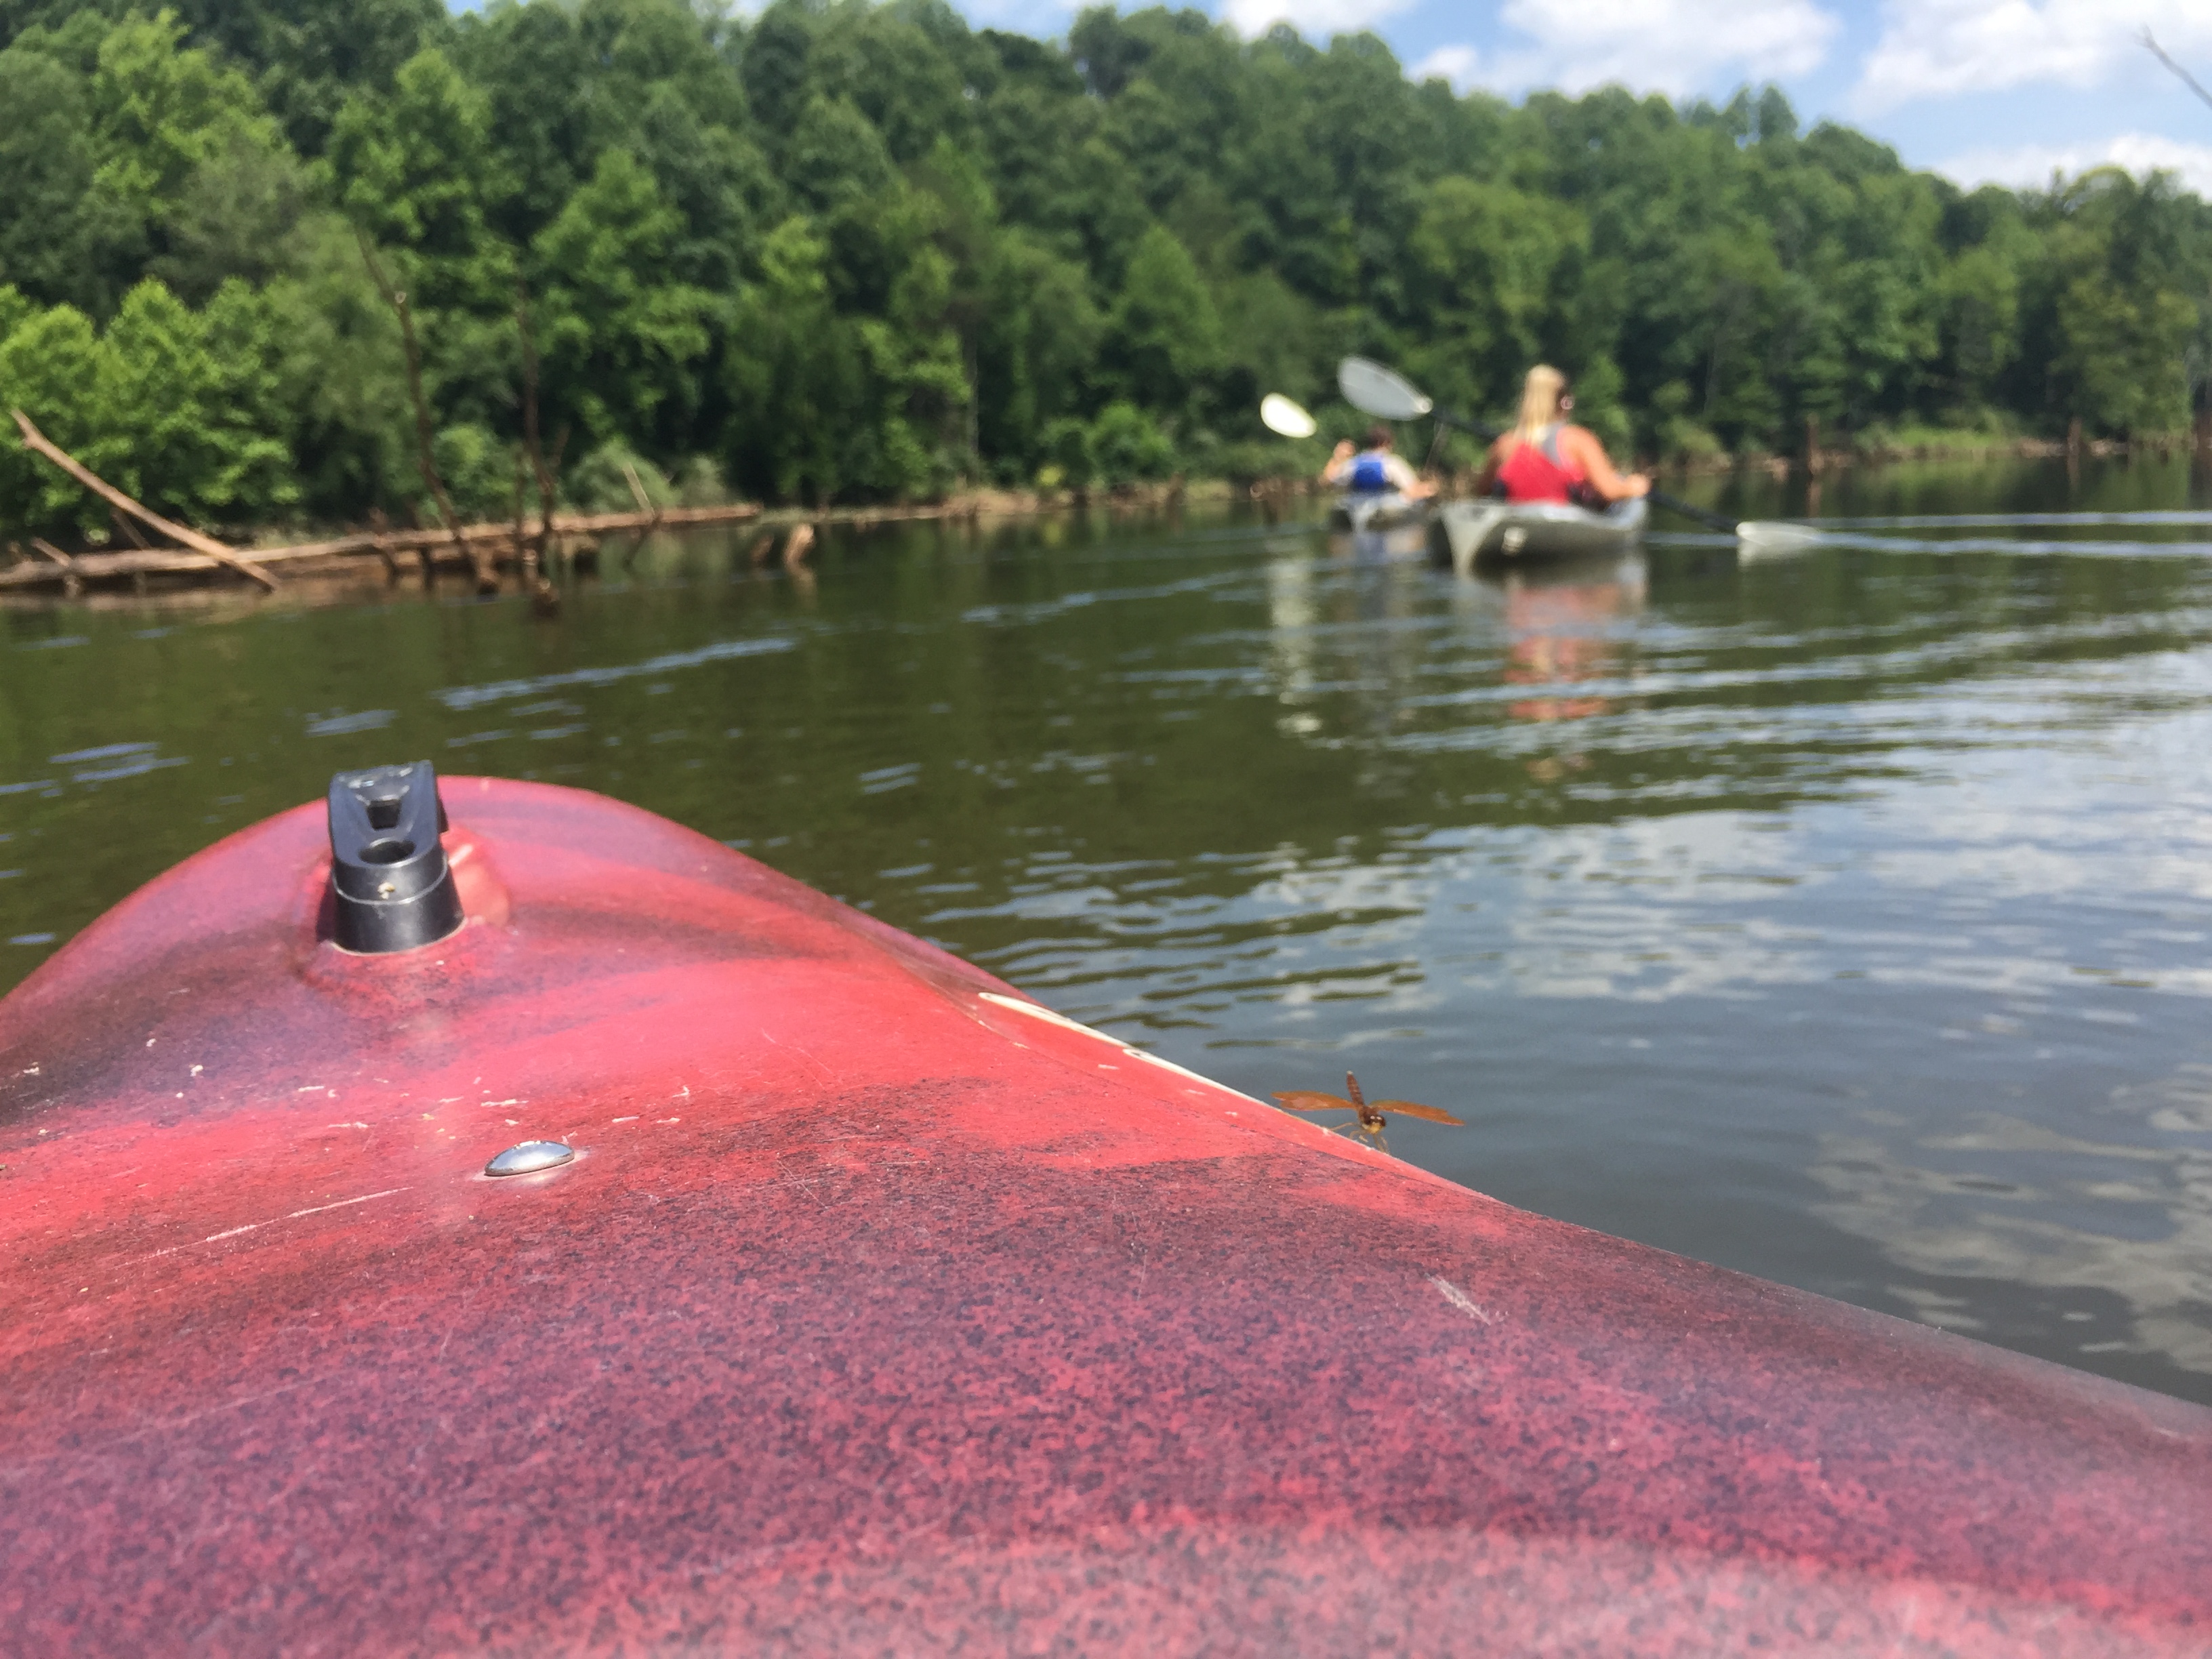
point(1843, 918)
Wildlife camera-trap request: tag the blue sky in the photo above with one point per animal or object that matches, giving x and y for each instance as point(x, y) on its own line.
point(1979, 89)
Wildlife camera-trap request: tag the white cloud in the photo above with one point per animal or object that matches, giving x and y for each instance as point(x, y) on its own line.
point(1940, 48)
point(1456, 64)
point(1679, 47)
point(1043, 18)
point(1313, 18)
point(2032, 164)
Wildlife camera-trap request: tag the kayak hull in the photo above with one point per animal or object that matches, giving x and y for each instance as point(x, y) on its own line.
point(1366, 515)
point(883, 1309)
point(1472, 533)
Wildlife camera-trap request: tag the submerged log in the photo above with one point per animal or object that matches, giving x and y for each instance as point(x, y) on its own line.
point(206, 546)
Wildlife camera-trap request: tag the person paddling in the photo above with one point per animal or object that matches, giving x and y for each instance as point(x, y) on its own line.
point(1543, 458)
point(1376, 470)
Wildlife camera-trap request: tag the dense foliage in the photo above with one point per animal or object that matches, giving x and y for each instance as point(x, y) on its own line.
point(846, 251)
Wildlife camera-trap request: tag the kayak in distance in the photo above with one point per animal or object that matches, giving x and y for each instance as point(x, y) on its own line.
point(1362, 515)
point(562, 1235)
point(1489, 530)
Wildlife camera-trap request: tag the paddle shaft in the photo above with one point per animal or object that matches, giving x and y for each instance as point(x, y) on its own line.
point(1657, 497)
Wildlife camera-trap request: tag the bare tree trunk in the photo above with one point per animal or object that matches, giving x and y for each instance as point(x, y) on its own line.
point(534, 558)
point(425, 460)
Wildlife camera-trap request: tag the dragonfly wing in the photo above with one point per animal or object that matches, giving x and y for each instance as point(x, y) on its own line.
point(1312, 1100)
point(1410, 1108)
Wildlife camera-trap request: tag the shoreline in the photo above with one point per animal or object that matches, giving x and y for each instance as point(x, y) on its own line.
point(787, 533)
point(1821, 462)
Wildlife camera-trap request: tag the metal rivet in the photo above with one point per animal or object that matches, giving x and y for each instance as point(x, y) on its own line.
point(529, 1157)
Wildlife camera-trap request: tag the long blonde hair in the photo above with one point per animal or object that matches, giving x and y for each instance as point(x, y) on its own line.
point(1540, 403)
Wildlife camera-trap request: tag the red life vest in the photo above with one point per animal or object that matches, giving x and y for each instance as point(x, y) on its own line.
point(1538, 472)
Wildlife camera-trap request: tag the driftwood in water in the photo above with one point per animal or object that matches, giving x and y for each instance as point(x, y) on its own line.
point(206, 546)
point(385, 543)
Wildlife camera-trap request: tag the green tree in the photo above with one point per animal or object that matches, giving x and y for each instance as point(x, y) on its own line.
point(164, 110)
point(184, 406)
point(796, 385)
point(622, 339)
point(55, 227)
point(415, 170)
point(1490, 257)
point(1164, 340)
point(50, 362)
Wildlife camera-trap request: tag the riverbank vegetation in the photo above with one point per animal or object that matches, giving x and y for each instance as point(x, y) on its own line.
point(845, 251)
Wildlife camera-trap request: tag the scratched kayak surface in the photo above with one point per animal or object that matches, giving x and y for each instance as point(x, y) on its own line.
point(883, 1311)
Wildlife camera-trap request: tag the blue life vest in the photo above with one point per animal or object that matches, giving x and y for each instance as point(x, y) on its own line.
point(1368, 476)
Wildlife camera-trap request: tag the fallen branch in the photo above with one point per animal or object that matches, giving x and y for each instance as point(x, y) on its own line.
point(72, 580)
point(644, 502)
point(125, 529)
point(107, 492)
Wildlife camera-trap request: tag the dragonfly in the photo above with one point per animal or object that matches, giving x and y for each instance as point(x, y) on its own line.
point(1367, 1116)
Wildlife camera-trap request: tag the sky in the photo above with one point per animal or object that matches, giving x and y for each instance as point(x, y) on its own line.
point(1982, 90)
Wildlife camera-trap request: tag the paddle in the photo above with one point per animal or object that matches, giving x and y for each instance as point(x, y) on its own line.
point(1282, 416)
point(1374, 389)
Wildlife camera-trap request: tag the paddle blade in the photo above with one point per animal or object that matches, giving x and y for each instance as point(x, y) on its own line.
point(1312, 1100)
point(1409, 1108)
point(1374, 389)
point(1279, 415)
point(1770, 540)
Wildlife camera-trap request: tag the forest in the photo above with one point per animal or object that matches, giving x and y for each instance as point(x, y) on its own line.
point(842, 252)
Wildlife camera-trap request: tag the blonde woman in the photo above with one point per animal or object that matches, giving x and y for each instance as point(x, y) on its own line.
point(1544, 459)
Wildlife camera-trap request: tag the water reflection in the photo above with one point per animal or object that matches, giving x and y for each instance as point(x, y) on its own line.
point(1565, 624)
point(2119, 1210)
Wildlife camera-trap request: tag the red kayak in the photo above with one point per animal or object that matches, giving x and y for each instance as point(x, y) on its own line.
point(848, 1301)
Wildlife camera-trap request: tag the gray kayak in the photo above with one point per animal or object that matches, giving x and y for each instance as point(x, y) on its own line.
point(1502, 531)
point(1387, 511)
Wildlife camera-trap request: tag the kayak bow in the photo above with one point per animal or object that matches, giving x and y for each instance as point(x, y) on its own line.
point(849, 1300)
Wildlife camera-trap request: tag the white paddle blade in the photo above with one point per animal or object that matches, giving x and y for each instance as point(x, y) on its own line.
point(1374, 389)
point(1764, 539)
point(1281, 415)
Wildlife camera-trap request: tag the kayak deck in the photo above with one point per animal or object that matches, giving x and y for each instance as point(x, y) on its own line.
point(1470, 532)
point(882, 1309)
